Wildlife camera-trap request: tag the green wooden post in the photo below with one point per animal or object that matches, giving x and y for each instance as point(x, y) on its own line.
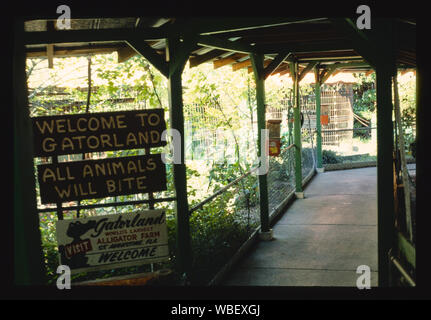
point(179, 170)
point(257, 64)
point(385, 174)
point(385, 69)
point(318, 123)
point(29, 268)
point(297, 131)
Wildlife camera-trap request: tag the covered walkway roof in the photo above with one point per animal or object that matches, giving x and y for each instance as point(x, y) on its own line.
point(269, 45)
point(330, 43)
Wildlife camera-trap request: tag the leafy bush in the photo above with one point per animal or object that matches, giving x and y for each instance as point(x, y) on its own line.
point(329, 156)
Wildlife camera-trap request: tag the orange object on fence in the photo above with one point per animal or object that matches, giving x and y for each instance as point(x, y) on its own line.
point(274, 147)
point(324, 119)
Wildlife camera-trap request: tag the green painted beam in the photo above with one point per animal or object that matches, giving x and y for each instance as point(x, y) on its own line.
point(144, 49)
point(297, 127)
point(318, 122)
point(258, 69)
point(29, 268)
point(309, 67)
point(327, 73)
point(274, 64)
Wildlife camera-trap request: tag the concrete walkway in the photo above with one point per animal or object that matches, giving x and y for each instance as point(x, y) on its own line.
point(322, 239)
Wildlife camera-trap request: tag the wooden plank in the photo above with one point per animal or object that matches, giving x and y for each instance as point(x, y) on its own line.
point(50, 55)
point(240, 65)
point(249, 67)
point(125, 54)
point(211, 55)
point(285, 71)
point(73, 52)
point(150, 54)
point(309, 67)
point(275, 63)
point(208, 25)
point(228, 60)
point(94, 35)
point(224, 44)
point(282, 68)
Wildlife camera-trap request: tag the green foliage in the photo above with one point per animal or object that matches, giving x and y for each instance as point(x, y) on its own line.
point(329, 156)
point(407, 93)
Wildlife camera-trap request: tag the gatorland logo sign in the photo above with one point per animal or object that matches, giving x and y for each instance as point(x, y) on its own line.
point(113, 241)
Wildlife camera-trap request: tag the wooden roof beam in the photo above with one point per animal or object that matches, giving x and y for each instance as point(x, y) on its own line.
point(247, 63)
point(93, 35)
point(208, 27)
point(157, 60)
point(72, 52)
point(240, 65)
point(211, 55)
point(304, 71)
point(228, 60)
point(224, 44)
point(274, 64)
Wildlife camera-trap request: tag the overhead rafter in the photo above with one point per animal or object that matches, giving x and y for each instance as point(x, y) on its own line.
point(211, 55)
point(211, 26)
point(361, 41)
point(228, 60)
point(151, 55)
point(304, 71)
point(185, 47)
point(275, 64)
point(93, 35)
point(328, 46)
point(66, 52)
point(125, 53)
point(224, 44)
point(282, 69)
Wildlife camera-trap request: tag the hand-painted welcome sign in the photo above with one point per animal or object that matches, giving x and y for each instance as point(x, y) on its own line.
point(113, 241)
point(96, 132)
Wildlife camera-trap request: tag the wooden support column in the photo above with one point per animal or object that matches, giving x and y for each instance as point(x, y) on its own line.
point(385, 58)
point(177, 58)
point(318, 84)
point(385, 174)
point(258, 69)
point(29, 268)
point(297, 130)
